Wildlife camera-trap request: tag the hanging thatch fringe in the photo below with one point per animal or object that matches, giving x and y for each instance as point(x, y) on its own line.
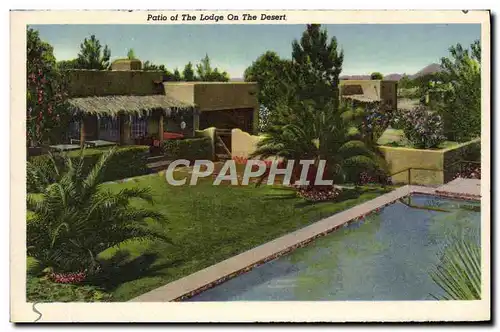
point(133, 105)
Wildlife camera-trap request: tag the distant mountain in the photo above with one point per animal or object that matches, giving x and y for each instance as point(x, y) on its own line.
point(237, 79)
point(430, 69)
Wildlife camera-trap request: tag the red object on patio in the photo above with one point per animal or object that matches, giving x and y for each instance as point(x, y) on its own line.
point(167, 135)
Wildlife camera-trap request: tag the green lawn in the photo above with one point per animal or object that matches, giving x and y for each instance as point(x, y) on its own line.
point(208, 224)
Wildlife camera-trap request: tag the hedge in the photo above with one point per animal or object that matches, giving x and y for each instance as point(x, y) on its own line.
point(128, 161)
point(190, 149)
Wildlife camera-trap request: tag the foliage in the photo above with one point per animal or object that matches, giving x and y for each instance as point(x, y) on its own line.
point(188, 73)
point(317, 66)
point(273, 76)
point(206, 73)
point(131, 54)
point(190, 149)
point(376, 76)
point(176, 77)
point(149, 66)
point(458, 273)
point(422, 127)
point(47, 114)
point(74, 220)
point(460, 93)
point(126, 162)
point(67, 64)
point(305, 132)
point(92, 55)
point(43, 290)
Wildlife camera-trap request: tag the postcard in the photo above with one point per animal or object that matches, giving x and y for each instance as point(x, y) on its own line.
point(250, 166)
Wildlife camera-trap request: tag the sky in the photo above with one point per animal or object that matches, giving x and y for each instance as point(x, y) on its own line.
point(397, 48)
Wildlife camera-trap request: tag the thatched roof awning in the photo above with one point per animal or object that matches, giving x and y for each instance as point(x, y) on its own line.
point(113, 105)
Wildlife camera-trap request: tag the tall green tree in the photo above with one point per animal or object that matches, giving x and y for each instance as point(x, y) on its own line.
point(273, 76)
point(46, 93)
point(460, 91)
point(188, 73)
point(376, 76)
point(92, 54)
point(131, 54)
point(317, 66)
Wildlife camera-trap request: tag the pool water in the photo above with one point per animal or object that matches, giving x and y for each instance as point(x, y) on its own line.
point(387, 256)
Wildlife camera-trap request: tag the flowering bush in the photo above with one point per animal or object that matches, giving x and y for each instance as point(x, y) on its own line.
point(318, 193)
point(469, 172)
point(422, 127)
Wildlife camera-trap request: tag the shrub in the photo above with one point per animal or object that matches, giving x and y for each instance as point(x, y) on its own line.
point(74, 220)
point(190, 149)
point(43, 290)
point(128, 161)
point(422, 127)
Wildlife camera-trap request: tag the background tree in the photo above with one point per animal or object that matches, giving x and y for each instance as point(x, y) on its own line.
point(149, 66)
point(67, 64)
point(376, 76)
point(131, 54)
point(92, 55)
point(273, 77)
point(177, 75)
point(206, 73)
point(46, 113)
point(317, 66)
point(188, 73)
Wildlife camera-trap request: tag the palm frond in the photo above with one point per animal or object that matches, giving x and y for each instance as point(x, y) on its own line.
point(458, 273)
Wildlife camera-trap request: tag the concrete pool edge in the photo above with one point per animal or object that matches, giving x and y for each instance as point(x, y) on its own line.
point(216, 274)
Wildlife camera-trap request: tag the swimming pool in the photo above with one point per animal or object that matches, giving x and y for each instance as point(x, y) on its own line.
point(386, 256)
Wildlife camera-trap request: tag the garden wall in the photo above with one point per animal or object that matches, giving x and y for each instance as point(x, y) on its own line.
point(208, 133)
point(429, 167)
point(242, 143)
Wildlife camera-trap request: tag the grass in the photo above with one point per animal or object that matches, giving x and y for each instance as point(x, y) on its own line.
point(208, 224)
point(396, 137)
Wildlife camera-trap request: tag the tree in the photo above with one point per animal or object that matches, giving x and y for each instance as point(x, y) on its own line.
point(273, 76)
point(376, 76)
point(131, 54)
point(188, 73)
point(67, 64)
point(75, 219)
point(317, 66)
point(92, 55)
point(459, 88)
point(149, 66)
point(206, 73)
point(47, 113)
point(177, 75)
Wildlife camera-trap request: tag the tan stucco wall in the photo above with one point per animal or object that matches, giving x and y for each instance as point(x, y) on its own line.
point(210, 133)
point(182, 91)
point(399, 159)
point(230, 95)
point(84, 83)
point(242, 143)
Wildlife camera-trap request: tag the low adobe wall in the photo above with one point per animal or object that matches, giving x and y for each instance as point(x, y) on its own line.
point(429, 167)
point(243, 144)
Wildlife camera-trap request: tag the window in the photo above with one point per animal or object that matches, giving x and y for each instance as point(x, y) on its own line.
point(139, 127)
point(109, 129)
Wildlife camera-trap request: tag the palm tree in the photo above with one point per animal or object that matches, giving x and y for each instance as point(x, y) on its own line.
point(303, 132)
point(75, 219)
point(459, 272)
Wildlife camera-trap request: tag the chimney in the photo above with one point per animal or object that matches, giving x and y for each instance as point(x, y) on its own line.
point(126, 64)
